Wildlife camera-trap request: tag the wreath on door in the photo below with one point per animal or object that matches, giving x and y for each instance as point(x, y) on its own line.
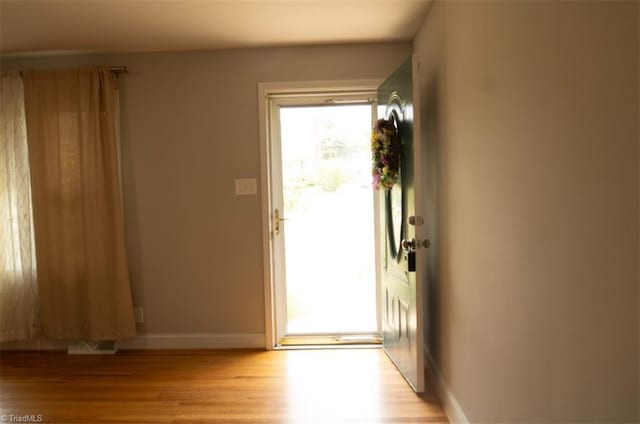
point(386, 146)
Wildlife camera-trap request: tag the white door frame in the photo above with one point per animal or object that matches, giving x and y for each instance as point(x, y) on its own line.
point(266, 92)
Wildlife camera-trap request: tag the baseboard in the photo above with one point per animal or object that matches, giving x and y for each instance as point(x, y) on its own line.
point(450, 404)
point(159, 341)
point(195, 341)
point(36, 344)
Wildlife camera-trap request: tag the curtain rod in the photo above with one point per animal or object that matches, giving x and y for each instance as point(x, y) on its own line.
point(119, 69)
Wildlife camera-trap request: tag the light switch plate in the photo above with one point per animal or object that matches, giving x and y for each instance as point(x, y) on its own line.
point(246, 186)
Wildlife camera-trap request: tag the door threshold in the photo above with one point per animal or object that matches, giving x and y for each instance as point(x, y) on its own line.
point(329, 347)
point(348, 340)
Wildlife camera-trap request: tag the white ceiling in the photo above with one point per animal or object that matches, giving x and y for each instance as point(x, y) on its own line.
point(33, 26)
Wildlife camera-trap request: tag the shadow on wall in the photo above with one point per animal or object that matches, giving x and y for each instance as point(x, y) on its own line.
point(431, 172)
point(130, 202)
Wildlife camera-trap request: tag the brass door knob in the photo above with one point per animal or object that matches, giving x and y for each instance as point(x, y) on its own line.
point(413, 244)
point(408, 245)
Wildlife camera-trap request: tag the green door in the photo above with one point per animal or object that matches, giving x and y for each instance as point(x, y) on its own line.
point(402, 275)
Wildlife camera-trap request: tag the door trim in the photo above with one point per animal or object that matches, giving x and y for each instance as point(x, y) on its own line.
point(265, 92)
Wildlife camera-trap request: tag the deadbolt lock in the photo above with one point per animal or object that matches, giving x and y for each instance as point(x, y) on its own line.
point(416, 220)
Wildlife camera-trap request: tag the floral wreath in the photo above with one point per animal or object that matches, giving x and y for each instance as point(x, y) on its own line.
point(386, 145)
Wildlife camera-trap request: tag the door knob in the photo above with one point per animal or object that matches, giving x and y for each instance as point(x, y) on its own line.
point(408, 245)
point(413, 244)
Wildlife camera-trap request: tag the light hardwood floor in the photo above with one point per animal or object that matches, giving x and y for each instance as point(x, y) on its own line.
point(239, 386)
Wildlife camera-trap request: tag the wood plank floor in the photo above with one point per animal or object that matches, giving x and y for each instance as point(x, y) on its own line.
point(293, 386)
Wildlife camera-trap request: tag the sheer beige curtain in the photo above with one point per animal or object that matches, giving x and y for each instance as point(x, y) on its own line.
point(18, 286)
point(79, 231)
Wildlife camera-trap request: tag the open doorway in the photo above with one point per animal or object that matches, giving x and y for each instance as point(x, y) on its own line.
point(328, 203)
point(323, 219)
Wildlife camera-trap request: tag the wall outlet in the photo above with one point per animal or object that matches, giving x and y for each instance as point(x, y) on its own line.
point(246, 186)
point(138, 314)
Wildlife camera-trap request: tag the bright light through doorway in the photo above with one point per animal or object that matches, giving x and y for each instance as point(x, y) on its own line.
point(328, 204)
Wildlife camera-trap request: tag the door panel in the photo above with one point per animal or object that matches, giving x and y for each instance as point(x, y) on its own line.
point(401, 283)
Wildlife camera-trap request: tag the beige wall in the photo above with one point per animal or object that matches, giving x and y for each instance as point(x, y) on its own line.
point(531, 117)
point(189, 128)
